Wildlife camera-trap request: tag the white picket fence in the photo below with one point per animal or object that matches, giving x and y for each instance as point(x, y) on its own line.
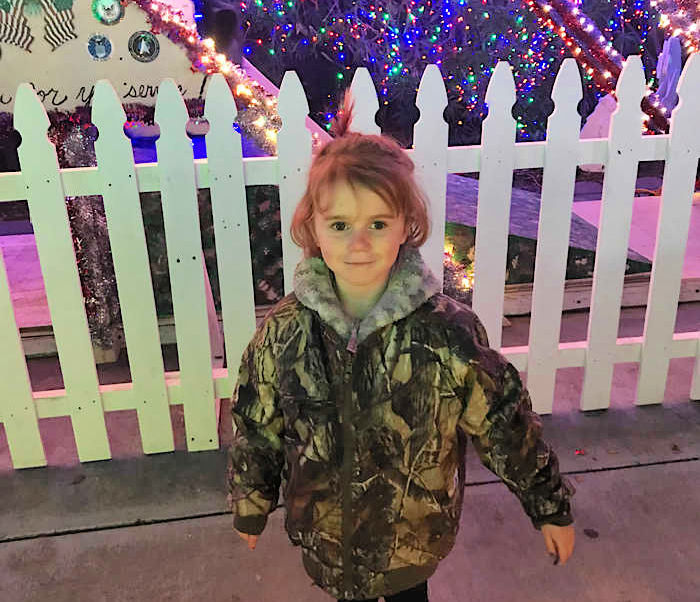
point(178, 176)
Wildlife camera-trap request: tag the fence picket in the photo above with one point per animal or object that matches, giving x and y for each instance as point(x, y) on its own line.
point(671, 237)
point(493, 211)
point(131, 268)
point(366, 105)
point(185, 262)
point(230, 215)
point(293, 161)
point(18, 413)
point(430, 157)
point(561, 158)
point(47, 208)
point(613, 236)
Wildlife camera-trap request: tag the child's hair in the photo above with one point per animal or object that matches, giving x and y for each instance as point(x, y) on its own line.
point(374, 162)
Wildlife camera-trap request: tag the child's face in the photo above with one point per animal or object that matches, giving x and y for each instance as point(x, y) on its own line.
point(359, 237)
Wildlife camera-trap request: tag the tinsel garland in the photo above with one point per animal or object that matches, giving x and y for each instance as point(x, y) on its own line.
point(584, 41)
point(74, 137)
point(257, 116)
point(681, 18)
point(5, 125)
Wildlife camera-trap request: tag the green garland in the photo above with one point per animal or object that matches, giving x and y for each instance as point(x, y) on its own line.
point(33, 7)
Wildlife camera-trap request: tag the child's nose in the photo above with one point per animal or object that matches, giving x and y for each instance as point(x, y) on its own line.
point(359, 239)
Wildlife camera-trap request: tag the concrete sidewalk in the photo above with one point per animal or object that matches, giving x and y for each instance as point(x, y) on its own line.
point(156, 529)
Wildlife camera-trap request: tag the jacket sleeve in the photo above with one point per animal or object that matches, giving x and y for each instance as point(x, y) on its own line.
point(507, 434)
point(255, 458)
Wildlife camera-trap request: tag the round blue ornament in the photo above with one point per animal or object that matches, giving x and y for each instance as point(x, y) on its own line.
point(99, 47)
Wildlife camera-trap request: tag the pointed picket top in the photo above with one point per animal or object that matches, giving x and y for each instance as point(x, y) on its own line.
point(632, 82)
point(292, 106)
point(293, 161)
point(501, 89)
point(630, 90)
point(565, 121)
point(364, 95)
point(432, 98)
point(430, 158)
point(171, 113)
point(29, 111)
point(688, 94)
point(107, 111)
point(109, 117)
point(219, 106)
point(567, 90)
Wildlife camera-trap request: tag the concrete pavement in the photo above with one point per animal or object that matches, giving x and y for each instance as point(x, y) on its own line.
point(155, 528)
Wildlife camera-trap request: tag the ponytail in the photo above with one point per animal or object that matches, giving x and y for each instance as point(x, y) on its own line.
point(341, 122)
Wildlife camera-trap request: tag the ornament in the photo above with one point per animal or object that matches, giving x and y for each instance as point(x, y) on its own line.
point(78, 147)
point(99, 47)
point(144, 46)
point(108, 12)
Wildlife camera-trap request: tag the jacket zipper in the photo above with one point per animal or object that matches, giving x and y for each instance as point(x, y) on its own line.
point(348, 453)
point(352, 343)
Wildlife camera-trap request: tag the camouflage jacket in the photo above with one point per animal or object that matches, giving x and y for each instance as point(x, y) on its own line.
point(365, 427)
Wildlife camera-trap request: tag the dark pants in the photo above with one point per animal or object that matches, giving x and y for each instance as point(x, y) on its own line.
point(419, 593)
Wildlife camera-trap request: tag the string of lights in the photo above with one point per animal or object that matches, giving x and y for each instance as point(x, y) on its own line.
point(596, 55)
point(463, 276)
point(680, 18)
point(466, 38)
point(397, 39)
point(258, 119)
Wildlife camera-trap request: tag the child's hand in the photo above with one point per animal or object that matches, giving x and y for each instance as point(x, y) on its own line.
point(251, 539)
point(559, 541)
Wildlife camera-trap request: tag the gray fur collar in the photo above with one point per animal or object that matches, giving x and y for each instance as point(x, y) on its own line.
point(411, 283)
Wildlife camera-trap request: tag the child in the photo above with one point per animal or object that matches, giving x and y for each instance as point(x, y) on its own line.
point(359, 390)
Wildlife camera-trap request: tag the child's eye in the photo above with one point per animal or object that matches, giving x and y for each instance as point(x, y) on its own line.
point(379, 225)
point(339, 226)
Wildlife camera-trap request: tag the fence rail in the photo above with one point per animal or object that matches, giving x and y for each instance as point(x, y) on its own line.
point(177, 176)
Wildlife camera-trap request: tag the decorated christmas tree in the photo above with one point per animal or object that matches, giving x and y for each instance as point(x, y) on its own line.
point(395, 39)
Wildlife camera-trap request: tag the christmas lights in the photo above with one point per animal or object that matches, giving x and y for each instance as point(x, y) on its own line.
point(680, 18)
point(397, 39)
point(600, 62)
point(258, 119)
point(458, 278)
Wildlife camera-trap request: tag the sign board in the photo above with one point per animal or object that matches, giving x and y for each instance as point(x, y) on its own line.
point(62, 53)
